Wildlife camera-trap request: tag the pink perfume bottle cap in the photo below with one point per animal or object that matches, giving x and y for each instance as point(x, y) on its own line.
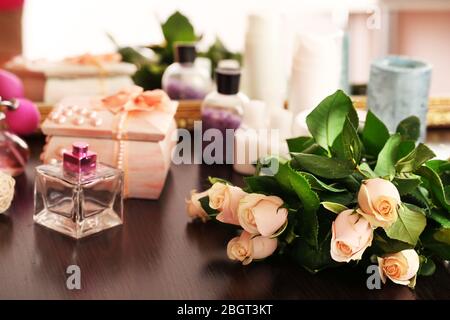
point(80, 160)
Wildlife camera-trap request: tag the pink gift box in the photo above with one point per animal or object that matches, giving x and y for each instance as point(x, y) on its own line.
point(129, 134)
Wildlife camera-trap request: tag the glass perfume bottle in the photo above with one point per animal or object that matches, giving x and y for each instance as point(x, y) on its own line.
point(223, 109)
point(185, 80)
point(14, 152)
point(79, 196)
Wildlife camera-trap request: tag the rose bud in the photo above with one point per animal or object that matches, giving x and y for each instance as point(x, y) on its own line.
point(193, 206)
point(378, 201)
point(248, 247)
point(225, 199)
point(400, 267)
point(261, 214)
point(351, 235)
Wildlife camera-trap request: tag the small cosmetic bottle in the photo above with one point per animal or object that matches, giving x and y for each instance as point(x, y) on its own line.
point(184, 79)
point(223, 109)
point(79, 196)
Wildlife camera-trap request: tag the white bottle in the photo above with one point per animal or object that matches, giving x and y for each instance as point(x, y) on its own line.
point(316, 69)
point(263, 72)
point(281, 129)
point(247, 138)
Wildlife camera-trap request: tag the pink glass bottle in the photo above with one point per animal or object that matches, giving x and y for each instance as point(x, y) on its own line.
point(14, 152)
point(79, 196)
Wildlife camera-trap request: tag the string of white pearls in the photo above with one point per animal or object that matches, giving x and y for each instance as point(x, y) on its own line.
point(76, 115)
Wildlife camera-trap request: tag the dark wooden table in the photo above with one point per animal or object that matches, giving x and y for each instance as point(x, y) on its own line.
point(159, 254)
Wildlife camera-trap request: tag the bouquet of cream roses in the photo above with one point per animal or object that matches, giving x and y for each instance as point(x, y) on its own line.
point(346, 194)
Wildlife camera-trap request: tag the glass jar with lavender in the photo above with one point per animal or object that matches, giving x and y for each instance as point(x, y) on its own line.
point(183, 79)
point(223, 109)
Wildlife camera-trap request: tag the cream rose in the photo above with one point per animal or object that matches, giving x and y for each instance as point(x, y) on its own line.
point(261, 214)
point(248, 247)
point(400, 267)
point(225, 199)
point(351, 235)
point(378, 201)
point(193, 206)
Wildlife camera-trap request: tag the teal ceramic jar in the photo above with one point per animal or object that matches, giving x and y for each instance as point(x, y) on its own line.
point(398, 88)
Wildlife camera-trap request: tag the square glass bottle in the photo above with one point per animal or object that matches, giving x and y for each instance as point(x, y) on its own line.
point(79, 196)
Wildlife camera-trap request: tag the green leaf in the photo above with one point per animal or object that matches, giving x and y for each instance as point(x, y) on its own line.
point(435, 185)
point(421, 198)
point(445, 167)
point(409, 128)
point(427, 267)
point(374, 135)
point(436, 165)
point(437, 241)
point(348, 145)
point(386, 159)
point(331, 168)
point(282, 175)
point(352, 182)
point(414, 159)
point(406, 183)
point(316, 184)
point(204, 202)
point(327, 120)
point(262, 184)
point(382, 244)
point(442, 168)
point(405, 147)
point(313, 259)
point(334, 207)
point(440, 218)
point(133, 56)
point(217, 52)
point(149, 76)
point(409, 225)
point(308, 222)
point(299, 144)
point(343, 198)
point(365, 170)
point(178, 28)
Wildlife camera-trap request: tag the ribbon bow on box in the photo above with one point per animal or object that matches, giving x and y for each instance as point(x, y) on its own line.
point(135, 99)
point(98, 60)
point(131, 102)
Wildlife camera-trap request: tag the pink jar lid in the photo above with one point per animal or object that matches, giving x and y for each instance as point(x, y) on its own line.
point(10, 4)
point(80, 160)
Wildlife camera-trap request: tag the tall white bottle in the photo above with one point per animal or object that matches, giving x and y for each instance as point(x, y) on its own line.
point(316, 69)
point(247, 137)
point(263, 74)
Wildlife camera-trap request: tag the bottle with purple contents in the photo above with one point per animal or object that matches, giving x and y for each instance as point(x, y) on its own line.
point(183, 80)
point(223, 109)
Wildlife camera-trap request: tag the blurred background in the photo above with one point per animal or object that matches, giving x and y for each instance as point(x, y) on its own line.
point(55, 29)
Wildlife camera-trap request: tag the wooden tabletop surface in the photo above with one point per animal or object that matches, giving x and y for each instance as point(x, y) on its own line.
point(159, 254)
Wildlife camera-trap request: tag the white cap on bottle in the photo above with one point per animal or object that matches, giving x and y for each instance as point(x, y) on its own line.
point(228, 64)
